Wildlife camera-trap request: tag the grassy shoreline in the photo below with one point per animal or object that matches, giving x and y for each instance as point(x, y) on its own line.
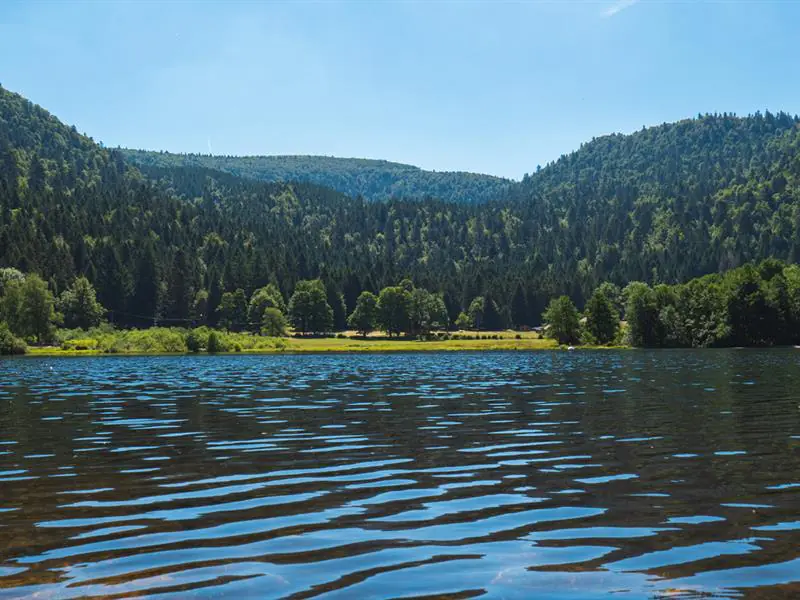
point(311, 345)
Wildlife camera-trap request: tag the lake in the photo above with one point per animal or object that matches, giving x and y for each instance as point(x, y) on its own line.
point(509, 475)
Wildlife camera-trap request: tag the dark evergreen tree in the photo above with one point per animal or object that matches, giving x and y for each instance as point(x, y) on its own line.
point(232, 310)
point(602, 319)
point(493, 319)
point(519, 308)
point(181, 285)
point(148, 297)
point(336, 302)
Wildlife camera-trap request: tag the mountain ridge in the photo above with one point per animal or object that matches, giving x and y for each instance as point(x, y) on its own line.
point(373, 179)
point(333, 157)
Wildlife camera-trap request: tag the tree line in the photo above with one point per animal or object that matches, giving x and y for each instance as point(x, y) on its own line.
point(753, 305)
point(29, 310)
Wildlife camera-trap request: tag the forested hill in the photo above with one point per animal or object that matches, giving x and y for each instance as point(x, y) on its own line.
point(694, 157)
point(376, 180)
point(675, 201)
point(663, 205)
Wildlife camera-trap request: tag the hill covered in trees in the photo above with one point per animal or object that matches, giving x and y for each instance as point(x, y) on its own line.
point(675, 201)
point(377, 180)
point(663, 205)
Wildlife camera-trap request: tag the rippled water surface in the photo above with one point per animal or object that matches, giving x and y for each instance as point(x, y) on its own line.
point(528, 475)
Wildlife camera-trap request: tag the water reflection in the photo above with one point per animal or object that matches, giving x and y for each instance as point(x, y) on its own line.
point(518, 475)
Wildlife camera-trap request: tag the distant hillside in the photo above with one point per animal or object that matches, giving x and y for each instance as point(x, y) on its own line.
point(689, 157)
point(376, 180)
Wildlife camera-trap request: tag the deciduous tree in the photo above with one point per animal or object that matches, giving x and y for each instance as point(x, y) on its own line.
point(563, 321)
point(79, 305)
point(309, 310)
point(365, 315)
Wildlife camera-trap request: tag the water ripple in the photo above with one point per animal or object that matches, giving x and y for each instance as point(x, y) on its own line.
point(552, 475)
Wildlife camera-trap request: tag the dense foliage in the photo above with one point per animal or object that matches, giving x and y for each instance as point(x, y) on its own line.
point(602, 319)
point(79, 305)
point(563, 321)
point(184, 245)
point(376, 180)
point(27, 307)
point(754, 305)
point(309, 310)
point(365, 315)
point(672, 202)
point(9, 343)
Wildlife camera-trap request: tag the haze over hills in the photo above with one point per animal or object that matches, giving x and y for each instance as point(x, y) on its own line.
point(377, 180)
point(664, 204)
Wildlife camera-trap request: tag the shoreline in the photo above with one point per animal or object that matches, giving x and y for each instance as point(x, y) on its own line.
point(328, 346)
point(362, 347)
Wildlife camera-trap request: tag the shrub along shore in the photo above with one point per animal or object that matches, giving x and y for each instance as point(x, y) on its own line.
point(163, 340)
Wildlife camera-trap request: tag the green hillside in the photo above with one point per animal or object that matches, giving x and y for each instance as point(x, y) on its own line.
point(665, 204)
point(376, 180)
point(671, 202)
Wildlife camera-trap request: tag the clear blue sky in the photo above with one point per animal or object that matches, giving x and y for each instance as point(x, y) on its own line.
point(459, 85)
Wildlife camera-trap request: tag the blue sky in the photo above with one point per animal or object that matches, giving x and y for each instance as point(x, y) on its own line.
point(494, 87)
